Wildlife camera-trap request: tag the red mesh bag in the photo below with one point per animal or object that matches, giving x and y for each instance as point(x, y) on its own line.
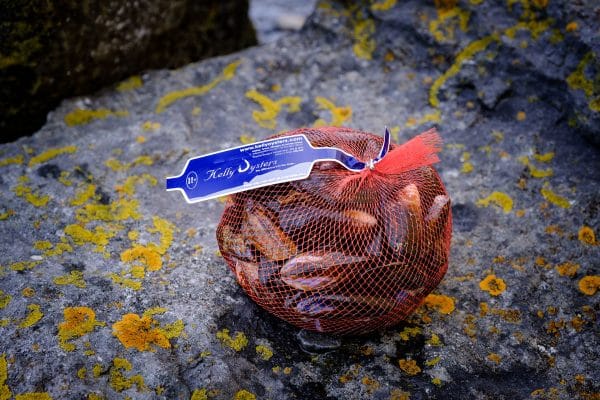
point(344, 252)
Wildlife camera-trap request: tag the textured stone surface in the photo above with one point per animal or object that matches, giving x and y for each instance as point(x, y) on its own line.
point(516, 315)
point(50, 50)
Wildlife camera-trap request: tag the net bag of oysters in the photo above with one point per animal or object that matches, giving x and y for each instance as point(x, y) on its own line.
point(341, 251)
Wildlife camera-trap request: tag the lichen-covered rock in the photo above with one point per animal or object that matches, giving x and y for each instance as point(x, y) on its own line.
point(112, 287)
point(50, 50)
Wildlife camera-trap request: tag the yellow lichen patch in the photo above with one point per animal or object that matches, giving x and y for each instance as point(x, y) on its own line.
point(448, 19)
point(546, 157)
point(493, 285)
point(5, 393)
point(118, 381)
point(383, 5)
point(130, 83)
point(74, 278)
point(498, 198)
point(590, 86)
point(247, 139)
point(81, 236)
point(126, 282)
point(409, 332)
point(149, 258)
point(25, 192)
point(199, 394)
point(78, 322)
point(42, 245)
point(493, 357)
point(433, 361)
point(533, 170)
point(410, 367)
point(4, 299)
point(81, 117)
point(567, 269)
point(441, 303)
point(26, 292)
point(554, 198)
point(63, 178)
point(227, 74)
point(97, 370)
point(82, 373)
point(434, 341)
point(244, 395)
point(266, 118)
point(237, 343)
point(83, 195)
point(128, 187)
point(6, 214)
point(339, 115)
point(33, 317)
point(467, 53)
point(50, 154)
point(18, 159)
point(264, 352)
point(59, 248)
point(119, 166)
point(34, 396)
point(23, 265)
point(118, 210)
point(589, 284)
point(165, 229)
point(364, 44)
point(586, 235)
point(140, 333)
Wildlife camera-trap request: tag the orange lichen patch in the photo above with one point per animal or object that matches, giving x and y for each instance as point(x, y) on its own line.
point(493, 285)
point(397, 394)
point(521, 116)
point(409, 367)
point(227, 74)
point(165, 229)
point(27, 193)
point(4, 299)
point(589, 284)
point(74, 278)
point(142, 333)
point(572, 26)
point(496, 358)
point(26, 292)
point(339, 115)
point(149, 258)
point(83, 195)
point(78, 322)
point(118, 210)
point(80, 116)
point(18, 159)
point(33, 317)
point(81, 236)
point(139, 333)
point(371, 384)
point(237, 343)
point(554, 327)
point(586, 235)
point(439, 302)
point(577, 323)
point(117, 379)
point(244, 395)
point(50, 154)
point(554, 198)
point(266, 118)
point(567, 268)
point(500, 199)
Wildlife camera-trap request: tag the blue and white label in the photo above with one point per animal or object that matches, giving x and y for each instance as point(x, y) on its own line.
point(259, 164)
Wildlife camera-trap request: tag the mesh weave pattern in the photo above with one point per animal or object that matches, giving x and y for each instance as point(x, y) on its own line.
point(342, 252)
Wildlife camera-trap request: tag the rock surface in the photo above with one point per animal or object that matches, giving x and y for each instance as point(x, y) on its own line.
point(112, 287)
point(50, 50)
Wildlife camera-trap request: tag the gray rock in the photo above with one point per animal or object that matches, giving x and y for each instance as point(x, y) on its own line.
point(51, 50)
point(191, 325)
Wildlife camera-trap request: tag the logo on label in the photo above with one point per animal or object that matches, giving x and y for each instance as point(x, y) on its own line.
point(246, 166)
point(191, 180)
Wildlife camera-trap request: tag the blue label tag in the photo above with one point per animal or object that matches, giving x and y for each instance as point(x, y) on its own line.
point(269, 162)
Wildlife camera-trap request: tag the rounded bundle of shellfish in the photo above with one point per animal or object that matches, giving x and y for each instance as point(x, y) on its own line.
point(344, 252)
